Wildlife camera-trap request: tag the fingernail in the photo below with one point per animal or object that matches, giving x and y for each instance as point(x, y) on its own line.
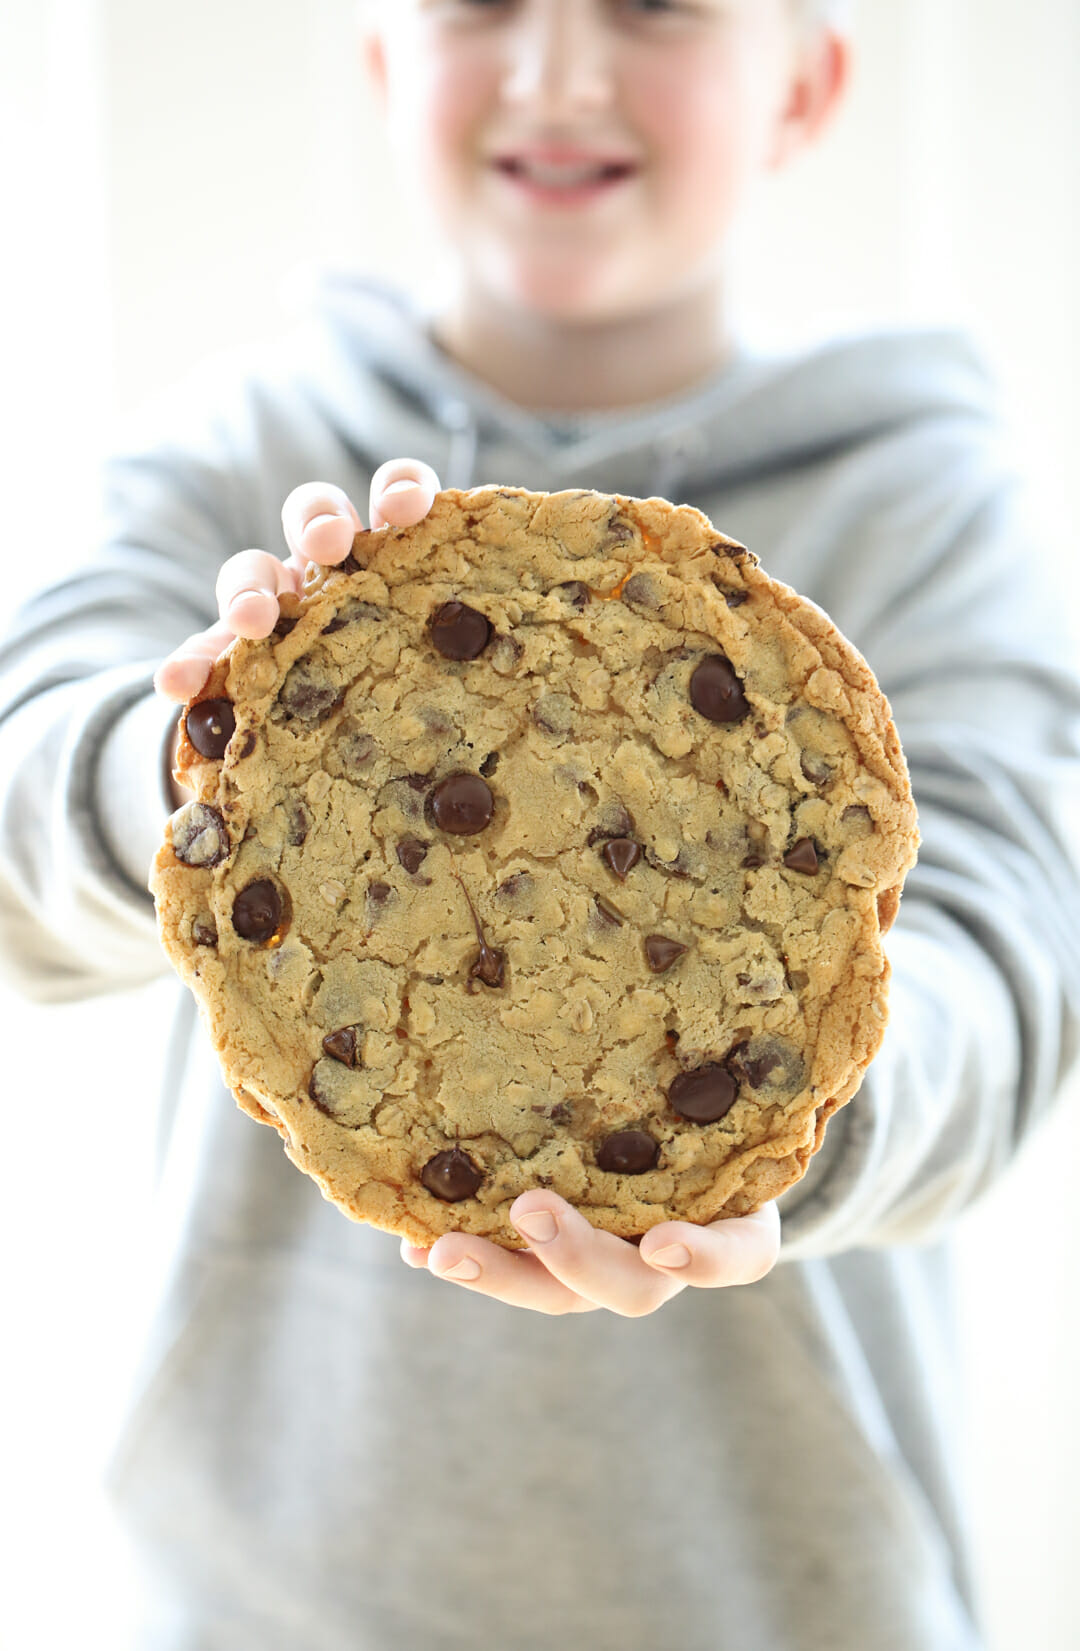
point(398, 487)
point(242, 595)
point(465, 1268)
point(539, 1225)
point(675, 1255)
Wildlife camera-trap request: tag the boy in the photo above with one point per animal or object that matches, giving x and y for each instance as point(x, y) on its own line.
point(325, 1452)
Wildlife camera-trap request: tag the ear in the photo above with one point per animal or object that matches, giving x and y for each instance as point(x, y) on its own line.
point(817, 82)
point(372, 53)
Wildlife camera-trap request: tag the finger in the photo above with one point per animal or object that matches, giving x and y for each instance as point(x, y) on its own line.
point(247, 590)
point(185, 670)
point(519, 1279)
point(320, 522)
point(402, 492)
point(739, 1250)
point(412, 1254)
point(596, 1265)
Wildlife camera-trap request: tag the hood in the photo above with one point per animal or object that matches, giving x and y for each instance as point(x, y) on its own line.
point(376, 374)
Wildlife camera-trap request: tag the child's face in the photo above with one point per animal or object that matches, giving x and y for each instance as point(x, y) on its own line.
point(504, 111)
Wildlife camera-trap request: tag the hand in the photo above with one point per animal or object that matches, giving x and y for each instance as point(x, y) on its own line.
point(578, 1268)
point(319, 521)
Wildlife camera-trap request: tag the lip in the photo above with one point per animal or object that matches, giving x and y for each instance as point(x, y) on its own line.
point(617, 170)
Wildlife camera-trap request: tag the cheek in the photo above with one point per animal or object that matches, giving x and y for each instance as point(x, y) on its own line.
point(706, 128)
point(440, 116)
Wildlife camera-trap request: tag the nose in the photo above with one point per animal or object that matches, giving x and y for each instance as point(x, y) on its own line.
point(558, 58)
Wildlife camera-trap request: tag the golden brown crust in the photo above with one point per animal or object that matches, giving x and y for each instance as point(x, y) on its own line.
point(578, 711)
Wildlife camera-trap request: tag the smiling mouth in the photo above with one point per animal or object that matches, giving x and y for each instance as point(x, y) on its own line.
point(563, 183)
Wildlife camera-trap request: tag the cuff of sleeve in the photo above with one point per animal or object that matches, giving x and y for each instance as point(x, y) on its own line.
point(133, 798)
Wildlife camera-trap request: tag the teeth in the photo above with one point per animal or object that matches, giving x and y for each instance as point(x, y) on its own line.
point(560, 177)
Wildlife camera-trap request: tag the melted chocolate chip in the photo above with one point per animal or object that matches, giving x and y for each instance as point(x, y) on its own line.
point(210, 726)
point(308, 694)
point(554, 713)
point(451, 1176)
point(489, 965)
point(608, 912)
point(630, 1152)
point(284, 625)
point(765, 1060)
point(815, 768)
point(662, 952)
point(753, 1070)
point(379, 893)
point(489, 764)
point(618, 528)
point(621, 854)
point(342, 1045)
point(617, 822)
point(248, 746)
point(803, 857)
point(857, 814)
point(257, 911)
point(299, 823)
point(411, 852)
point(514, 885)
point(204, 930)
point(200, 836)
point(574, 592)
point(704, 1095)
point(462, 804)
point(338, 623)
point(640, 590)
point(716, 692)
point(735, 598)
point(354, 750)
point(459, 632)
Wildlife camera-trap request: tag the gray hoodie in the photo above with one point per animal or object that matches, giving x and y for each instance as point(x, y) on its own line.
point(327, 1452)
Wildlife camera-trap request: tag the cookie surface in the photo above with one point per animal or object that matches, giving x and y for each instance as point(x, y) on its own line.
point(549, 842)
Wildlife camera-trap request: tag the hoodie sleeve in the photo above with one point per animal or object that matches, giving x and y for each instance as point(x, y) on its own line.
point(83, 738)
point(962, 624)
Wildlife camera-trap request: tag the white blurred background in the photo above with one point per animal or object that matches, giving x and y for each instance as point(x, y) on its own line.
point(167, 174)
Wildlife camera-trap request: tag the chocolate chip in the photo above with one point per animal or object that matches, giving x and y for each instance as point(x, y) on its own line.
point(342, 1045)
point(802, 857)
point(379, 893)
point(662, 952)
point(462, 804)
point(350, 611)
point(489, 764)
point(857, 815)
point(308, 694)
point(340, 1093)
point(716, 692)
point(766, 1061)
point(200, 836)
point(350, 564)
point(616, 821)
point(489, 964)
point(554, 713)
point(210, 726)
point(815, 768)
point(735, 598)
point(459, 632)
point(630, 1152)
point(451, 1176)
point(257, 910)
point(248, 746)
point(354, 751)
point(703, 1095)
point(299, 823)
point(607, 911)
point(574, 592)
point(514, 885)
point(618, 528)
point(640, 589)
point(284, 625)
point(621, 853)
point(411, 852)
point(204, 930)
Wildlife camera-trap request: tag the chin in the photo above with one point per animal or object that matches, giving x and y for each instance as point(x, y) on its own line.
point(565, 292)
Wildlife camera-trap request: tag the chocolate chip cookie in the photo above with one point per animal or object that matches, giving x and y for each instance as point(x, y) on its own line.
point(549, 842)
